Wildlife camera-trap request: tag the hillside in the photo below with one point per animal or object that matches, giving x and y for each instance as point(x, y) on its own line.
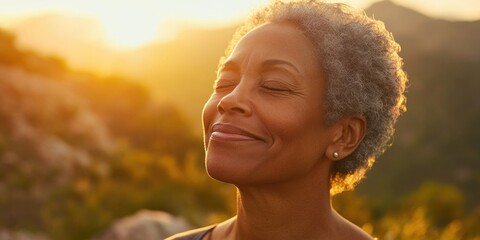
point(78, 151)
point(78, 39)
point(441, 58)
point(437, 139)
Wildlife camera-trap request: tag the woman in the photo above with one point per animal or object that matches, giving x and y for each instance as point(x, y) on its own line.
point(304, 102)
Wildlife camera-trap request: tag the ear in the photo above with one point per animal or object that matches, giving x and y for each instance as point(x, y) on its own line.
point(348, 133)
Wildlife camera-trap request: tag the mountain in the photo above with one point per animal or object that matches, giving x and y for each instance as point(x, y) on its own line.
point(78, 39)
point(437, 139)
point(429, 35)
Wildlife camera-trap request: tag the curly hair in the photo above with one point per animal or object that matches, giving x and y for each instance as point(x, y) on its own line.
point(363, 70)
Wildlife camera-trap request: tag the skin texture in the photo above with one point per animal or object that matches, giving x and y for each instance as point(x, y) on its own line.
point(265, 133)
point(279, 103)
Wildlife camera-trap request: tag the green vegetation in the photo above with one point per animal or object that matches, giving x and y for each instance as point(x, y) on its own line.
point(78, 152)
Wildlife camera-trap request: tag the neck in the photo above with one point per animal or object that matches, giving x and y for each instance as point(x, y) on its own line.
point(299, 209)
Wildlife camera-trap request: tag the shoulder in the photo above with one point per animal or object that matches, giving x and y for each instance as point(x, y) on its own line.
point(195, 234)
point(352, 231)
point(348, 230)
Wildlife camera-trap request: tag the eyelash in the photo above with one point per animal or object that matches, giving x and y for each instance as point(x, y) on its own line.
point(268, 85)
point(222, 84)
point(276, 89)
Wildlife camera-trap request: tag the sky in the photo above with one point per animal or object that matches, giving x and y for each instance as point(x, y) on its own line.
point(134, 22)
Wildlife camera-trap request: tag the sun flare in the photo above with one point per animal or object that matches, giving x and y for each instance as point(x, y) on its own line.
point(127, 31)
point(130, 24)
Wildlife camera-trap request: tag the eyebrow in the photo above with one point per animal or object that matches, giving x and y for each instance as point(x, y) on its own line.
point(229, 66)
point(275, 62)
point(232, 66)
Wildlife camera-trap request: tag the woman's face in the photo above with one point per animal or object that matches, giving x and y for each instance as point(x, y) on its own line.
point(264, 121)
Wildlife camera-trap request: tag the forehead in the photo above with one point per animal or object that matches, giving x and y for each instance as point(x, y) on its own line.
point(276, 41)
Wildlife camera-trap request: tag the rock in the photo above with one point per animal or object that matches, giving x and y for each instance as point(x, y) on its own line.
point(145, 225)
point(18, 235)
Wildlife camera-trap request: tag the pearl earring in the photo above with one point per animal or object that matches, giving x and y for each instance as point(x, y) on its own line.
point(336, 155)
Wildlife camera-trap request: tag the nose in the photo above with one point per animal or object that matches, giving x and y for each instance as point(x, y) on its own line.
point(237, 101)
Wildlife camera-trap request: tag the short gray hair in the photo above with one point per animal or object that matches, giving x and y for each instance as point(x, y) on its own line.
point(363, 70)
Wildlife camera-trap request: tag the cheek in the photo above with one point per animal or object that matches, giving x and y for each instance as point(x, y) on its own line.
point(298, 131)
point(287, 120)
point(208, 115)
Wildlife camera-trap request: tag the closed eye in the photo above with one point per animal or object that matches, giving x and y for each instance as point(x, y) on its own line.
point(226, 79)
point(223, 84)
point(276, 89)
point(277, 86)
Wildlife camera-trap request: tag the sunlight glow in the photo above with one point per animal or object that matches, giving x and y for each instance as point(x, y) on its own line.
point(129, 24)
point(129, 32)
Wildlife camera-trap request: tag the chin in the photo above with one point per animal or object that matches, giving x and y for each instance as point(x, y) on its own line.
point(222, 171)
point(236, 175)
point(229, 165)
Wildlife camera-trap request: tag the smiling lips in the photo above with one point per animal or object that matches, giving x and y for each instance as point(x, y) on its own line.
point(226, 132)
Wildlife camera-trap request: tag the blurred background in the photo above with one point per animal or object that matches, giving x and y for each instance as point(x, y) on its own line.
point(100, 132)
